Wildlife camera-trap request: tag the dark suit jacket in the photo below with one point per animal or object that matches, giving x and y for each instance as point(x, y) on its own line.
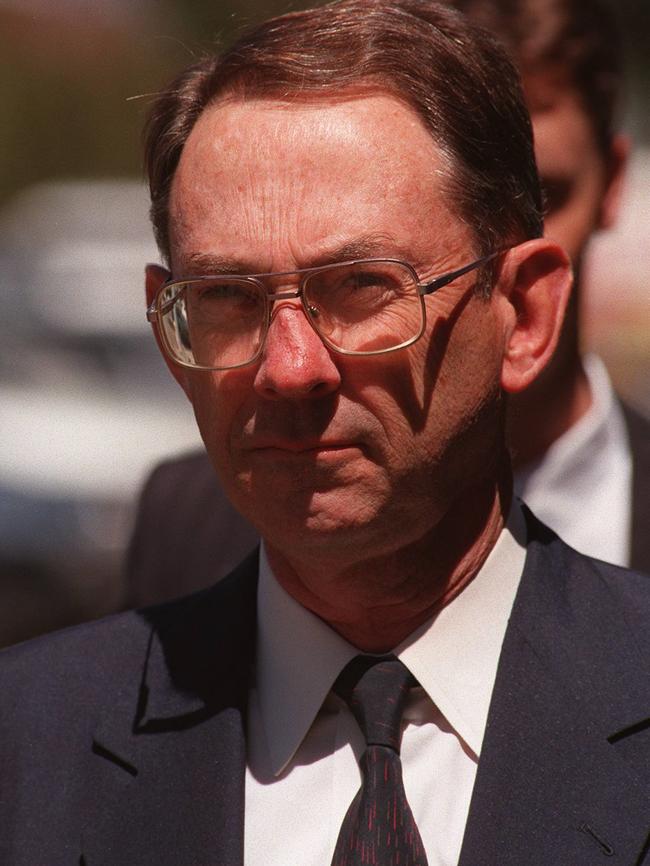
point(122, 742)
point(187, 535)
point(638, 431)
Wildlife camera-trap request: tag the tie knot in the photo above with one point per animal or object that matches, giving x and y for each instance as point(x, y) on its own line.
point(375, 690)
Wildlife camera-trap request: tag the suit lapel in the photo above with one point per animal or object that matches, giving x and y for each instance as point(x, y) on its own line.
point(638, 429)
point(170, 756)
point(561, 777)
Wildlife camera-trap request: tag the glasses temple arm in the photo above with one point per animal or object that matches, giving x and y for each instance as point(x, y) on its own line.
point(439, 282)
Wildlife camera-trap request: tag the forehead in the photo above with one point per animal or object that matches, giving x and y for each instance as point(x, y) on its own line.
point(303, 174)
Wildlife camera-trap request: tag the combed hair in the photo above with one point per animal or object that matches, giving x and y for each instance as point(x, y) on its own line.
point(455, 76)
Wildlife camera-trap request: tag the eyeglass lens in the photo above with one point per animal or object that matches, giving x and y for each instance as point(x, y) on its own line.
point(365, 307)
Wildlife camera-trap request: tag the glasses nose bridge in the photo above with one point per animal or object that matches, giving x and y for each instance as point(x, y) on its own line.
point(285, 294)
point(283, 280)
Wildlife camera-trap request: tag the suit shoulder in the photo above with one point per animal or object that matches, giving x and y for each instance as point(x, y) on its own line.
point(70, 679)
point(595, 577)
point(627, 584)
point(73, 652)
point(587, 600)
point(116, 636)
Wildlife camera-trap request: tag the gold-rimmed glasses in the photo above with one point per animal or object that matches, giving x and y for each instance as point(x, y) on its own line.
point(363, 307)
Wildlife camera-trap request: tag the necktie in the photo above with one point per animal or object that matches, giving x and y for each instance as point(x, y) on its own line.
point(378, 828)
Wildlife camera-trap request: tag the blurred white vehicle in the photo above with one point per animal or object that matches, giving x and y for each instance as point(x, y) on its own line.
point(86, 404)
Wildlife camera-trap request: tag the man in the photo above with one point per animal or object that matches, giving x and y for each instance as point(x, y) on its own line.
point(572, 441)
point(348, 204)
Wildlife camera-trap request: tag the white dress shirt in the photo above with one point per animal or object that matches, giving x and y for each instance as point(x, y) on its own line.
point(304, 744)
point(582, 486)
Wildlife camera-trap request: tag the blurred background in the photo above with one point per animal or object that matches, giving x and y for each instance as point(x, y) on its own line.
point(86, 405)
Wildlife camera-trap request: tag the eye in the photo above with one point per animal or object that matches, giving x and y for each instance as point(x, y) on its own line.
point(217, 290)
point(368, 280)
point(224, 297)
point(557, 191)
point(363, 286)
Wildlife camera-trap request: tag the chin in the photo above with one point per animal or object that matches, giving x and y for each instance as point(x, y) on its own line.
point(335, 529)
point(323, 543)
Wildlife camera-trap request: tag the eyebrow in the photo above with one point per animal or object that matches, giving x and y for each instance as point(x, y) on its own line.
point(363, 247)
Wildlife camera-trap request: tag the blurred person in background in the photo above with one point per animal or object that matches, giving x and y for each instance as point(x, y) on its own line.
point(582, 458)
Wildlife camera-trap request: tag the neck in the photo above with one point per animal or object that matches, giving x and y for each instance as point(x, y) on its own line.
point(376, 602)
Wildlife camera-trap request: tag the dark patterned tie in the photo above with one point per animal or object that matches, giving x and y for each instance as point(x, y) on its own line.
point(379, 828)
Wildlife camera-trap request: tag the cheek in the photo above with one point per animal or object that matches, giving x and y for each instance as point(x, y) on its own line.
point(422, 398)
point(217, 400)
point(572, 224)
point(465, 353)
point(469, 374)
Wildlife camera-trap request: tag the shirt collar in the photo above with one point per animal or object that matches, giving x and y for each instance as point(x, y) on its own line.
point(590, 462)
point(577, 456)
point(454, 656)
point(297, 661)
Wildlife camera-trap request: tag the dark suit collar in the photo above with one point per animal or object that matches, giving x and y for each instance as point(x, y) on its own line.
point(170, 754)
point(197, 658)
point(638, 430)
point(560, 778)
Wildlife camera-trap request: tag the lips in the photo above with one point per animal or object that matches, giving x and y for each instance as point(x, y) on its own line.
point(297, 446)
point(265, 429)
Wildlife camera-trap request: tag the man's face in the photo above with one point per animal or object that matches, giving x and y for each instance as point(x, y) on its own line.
point(325, 452)
point(577, 176)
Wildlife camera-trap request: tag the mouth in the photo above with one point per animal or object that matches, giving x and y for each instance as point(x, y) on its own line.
point(302, 447)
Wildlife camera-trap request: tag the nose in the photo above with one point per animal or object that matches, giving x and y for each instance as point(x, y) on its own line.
point(295, 362)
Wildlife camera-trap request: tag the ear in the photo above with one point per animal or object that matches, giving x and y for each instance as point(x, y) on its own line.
point(534, 285)
point(155, 276)
point(617, 162)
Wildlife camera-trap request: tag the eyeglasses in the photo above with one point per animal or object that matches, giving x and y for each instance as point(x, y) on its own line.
point(364, 307)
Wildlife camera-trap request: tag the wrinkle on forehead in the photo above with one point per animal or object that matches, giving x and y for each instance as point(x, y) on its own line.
point(367, 246)
point(319, 172)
